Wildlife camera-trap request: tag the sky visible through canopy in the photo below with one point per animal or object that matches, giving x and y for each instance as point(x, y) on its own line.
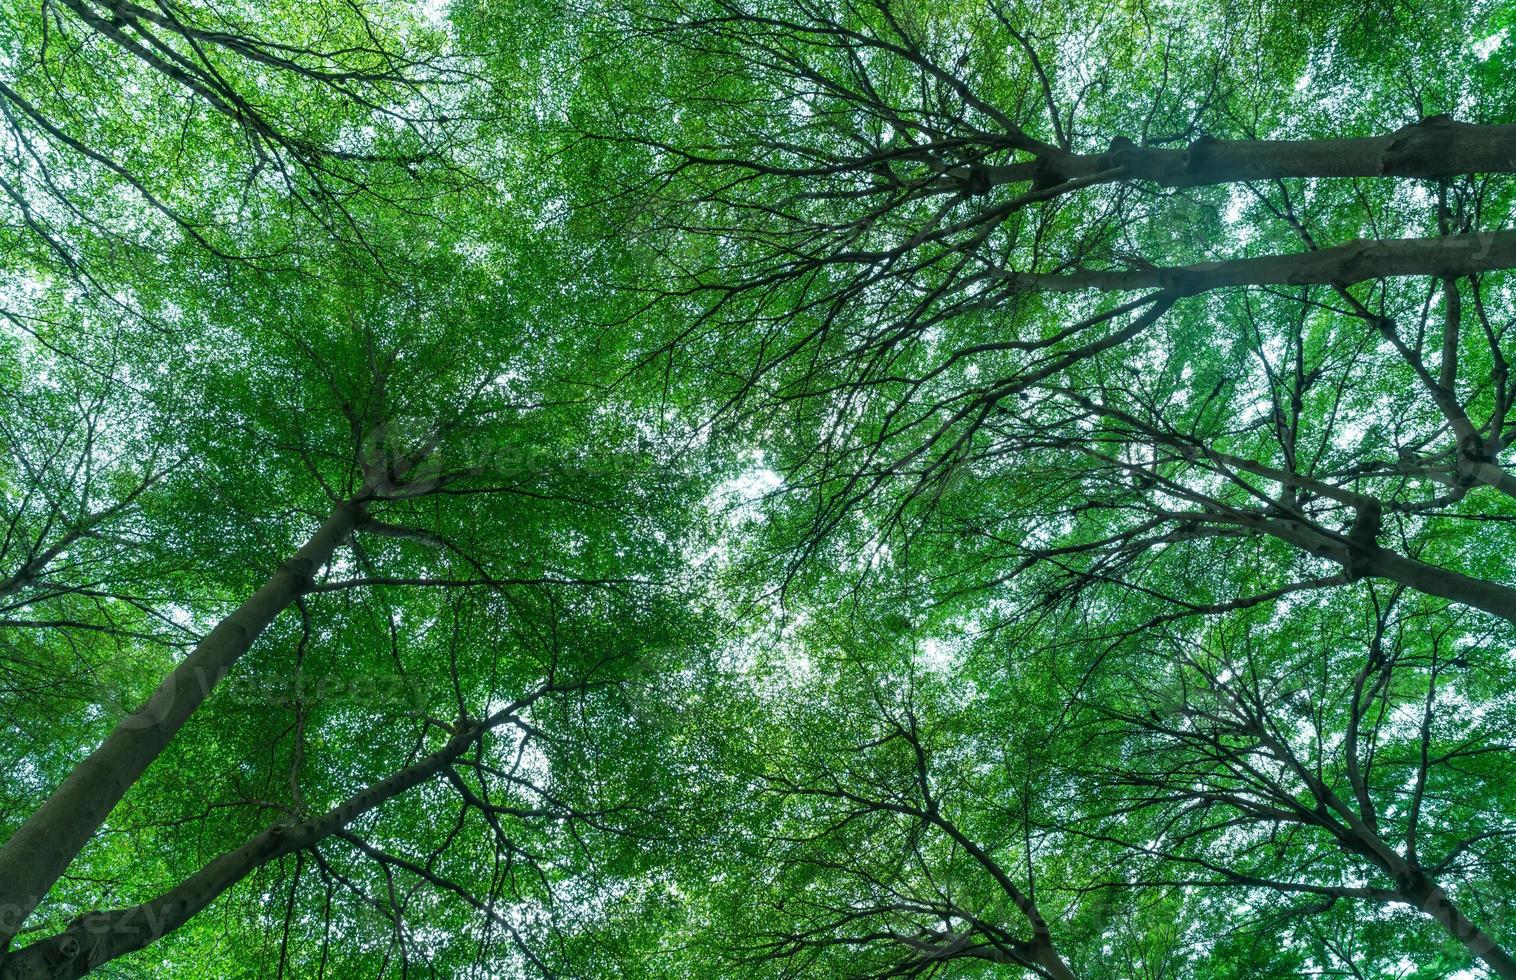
point(758, 488)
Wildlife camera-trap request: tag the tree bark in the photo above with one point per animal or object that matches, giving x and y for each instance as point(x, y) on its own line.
point(42, 848)
point(1450, 256)
point(100, 937)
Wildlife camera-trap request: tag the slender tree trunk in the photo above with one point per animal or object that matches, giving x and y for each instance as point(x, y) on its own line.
point(1342, 265)
point(44, 846)
point(28, 572)
point(100, 937)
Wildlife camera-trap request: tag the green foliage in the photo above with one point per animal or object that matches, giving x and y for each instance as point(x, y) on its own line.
point(835, 594)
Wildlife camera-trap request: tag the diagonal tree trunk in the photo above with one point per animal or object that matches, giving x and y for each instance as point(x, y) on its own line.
point(42, 848)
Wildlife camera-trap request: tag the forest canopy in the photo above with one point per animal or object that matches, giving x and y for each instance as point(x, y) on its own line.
point(758, 488)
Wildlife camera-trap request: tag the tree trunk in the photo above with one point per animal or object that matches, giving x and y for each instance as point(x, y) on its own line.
point(44, 846)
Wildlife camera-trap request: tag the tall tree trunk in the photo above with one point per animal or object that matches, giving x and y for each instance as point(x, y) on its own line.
point(44, 846)
point(100, 937)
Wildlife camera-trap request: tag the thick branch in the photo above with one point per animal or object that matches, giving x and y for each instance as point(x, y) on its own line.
point(1451, 256)
point(1433, 148)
